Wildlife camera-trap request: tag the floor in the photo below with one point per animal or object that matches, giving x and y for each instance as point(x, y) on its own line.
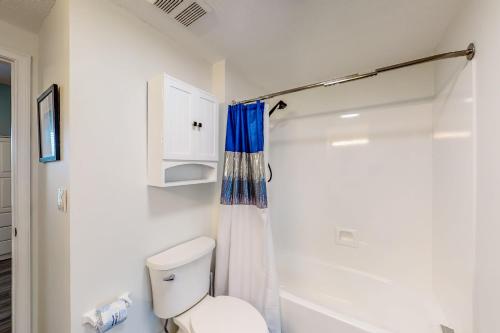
point(5, 296)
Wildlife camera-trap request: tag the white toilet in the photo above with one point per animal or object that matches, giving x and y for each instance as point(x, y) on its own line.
point(180, 280)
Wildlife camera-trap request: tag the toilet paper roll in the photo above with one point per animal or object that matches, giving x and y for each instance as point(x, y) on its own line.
point(111, 315)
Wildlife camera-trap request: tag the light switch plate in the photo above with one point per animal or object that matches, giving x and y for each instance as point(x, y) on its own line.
point(61, 199)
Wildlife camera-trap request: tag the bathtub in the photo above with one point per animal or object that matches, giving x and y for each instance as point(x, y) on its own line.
point(320, 297)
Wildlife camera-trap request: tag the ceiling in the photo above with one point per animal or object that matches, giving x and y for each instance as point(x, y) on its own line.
point(26, 14)
point(4, 73)
point(280, 44)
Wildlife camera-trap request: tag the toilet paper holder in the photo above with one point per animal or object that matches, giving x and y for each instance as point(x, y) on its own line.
point(91, 317)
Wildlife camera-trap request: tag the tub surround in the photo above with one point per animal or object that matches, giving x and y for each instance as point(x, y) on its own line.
point(371, 174)
point(454, 205)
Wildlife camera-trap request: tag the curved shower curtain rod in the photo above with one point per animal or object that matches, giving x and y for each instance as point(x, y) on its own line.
point(469, 53)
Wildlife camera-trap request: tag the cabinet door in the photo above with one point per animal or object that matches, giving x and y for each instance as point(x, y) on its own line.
point(5, 182)
point(5, 195)
point(4, 157)
point(206, 136)
point(178, 120)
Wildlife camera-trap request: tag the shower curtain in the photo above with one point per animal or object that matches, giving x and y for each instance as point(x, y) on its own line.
point(245, 266)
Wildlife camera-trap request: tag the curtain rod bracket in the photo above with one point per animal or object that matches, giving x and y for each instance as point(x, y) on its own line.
point(471, 51)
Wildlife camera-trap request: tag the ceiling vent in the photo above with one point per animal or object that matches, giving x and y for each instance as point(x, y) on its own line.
point(185, 12)
point(191, 14)
point(167, 5)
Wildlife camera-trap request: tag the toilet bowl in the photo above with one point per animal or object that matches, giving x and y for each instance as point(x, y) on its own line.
point(180, 281)
point(222, 314)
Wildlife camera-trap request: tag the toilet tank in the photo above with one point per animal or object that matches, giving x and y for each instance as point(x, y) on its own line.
point(180, 276)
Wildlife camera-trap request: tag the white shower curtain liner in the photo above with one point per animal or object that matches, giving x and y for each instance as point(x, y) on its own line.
point(245, 266)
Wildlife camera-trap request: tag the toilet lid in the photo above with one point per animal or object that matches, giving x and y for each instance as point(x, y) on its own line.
point(228, 315)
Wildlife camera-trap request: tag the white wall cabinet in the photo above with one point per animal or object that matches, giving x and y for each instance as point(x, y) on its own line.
point(182, 133)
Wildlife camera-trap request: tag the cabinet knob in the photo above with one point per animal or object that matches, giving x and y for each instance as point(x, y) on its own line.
point(195, 123)
point(200, 125)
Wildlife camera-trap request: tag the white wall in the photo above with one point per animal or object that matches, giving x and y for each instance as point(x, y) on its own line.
point(117, 221)
point(17, 39)
point(382, 188)
point(52, 226)
point(479, 21)
point(454, 194)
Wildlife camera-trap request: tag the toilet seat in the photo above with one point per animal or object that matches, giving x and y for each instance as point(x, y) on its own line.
point(228, 315)
point(223, 314)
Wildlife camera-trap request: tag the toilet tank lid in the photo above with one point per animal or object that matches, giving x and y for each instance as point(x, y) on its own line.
point(181, 254)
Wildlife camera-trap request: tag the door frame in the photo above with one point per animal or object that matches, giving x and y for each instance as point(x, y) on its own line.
point(21, 188)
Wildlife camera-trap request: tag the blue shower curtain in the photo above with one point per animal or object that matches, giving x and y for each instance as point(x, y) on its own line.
point(245, 266)
point(244, 180)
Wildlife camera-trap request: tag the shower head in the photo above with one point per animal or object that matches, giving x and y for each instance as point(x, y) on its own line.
point(282, 105)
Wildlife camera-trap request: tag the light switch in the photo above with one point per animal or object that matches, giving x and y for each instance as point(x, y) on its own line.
point(61, 199)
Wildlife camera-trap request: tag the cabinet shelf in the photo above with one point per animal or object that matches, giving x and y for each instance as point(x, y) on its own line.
point(188, 173)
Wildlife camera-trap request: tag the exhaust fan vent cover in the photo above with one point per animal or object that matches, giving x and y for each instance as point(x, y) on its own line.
point(191, 14)
point(167, 5)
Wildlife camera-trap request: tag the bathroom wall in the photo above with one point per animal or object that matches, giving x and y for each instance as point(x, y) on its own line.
point(17, 39)
point(371, 173)
point(52, 226)
point(478, 22)
point(5, 110)
point(117, 221)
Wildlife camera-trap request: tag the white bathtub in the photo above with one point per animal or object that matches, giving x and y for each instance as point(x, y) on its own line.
point(318, 297)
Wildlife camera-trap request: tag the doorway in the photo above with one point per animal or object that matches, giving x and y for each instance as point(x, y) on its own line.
point(5, 200)
point(15, 193)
